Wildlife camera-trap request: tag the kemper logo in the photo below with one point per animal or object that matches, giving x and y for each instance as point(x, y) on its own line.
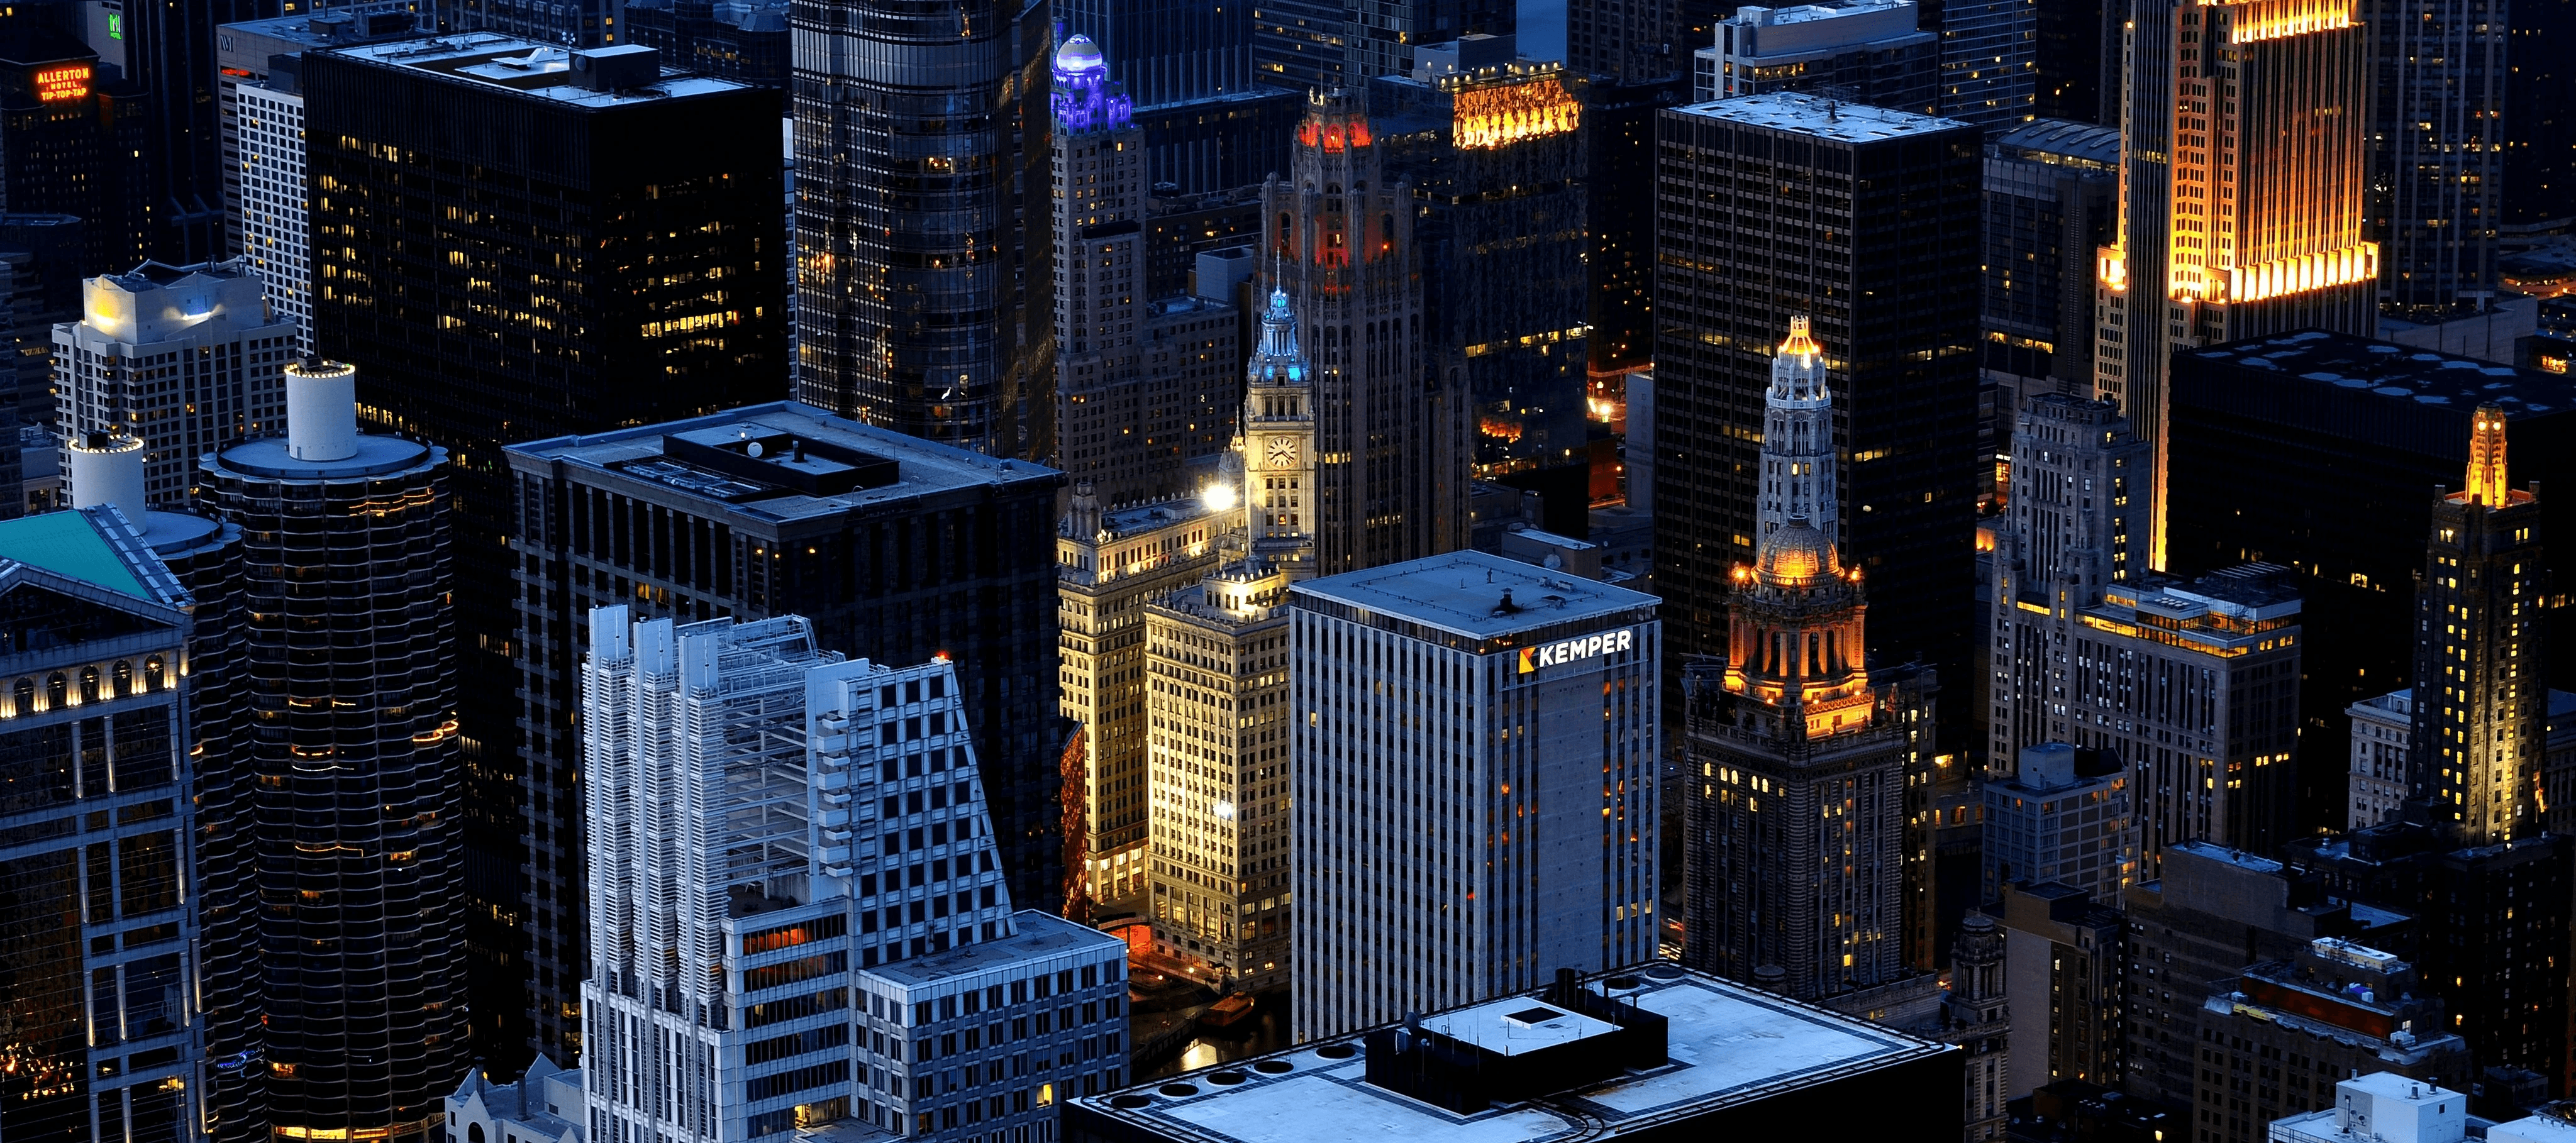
point(1608, 642)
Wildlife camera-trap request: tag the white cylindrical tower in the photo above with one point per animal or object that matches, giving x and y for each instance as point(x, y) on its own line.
point(107, 470)
point(321, 410)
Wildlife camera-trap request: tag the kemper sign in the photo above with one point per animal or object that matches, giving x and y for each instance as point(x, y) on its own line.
point(1607, 642)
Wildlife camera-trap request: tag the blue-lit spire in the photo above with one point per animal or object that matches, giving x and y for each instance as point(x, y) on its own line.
point(1085, 99)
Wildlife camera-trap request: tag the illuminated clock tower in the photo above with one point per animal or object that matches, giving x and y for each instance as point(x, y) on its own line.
point(1279, 445)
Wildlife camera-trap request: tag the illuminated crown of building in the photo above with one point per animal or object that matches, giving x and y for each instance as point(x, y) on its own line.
point(1277, 359)
point(1795, 633)
point(1085, 99)
point(2486, 463)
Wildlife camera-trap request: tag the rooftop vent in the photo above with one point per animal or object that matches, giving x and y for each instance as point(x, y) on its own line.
point(621, 68)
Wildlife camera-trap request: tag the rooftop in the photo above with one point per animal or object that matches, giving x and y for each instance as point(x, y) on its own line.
point(1478, 595)
point(1822, 117)
point(1804, 13)
point(539, 71)
point(2397, 372)
point(72, 544)
point(1039, 935)
point(748, 458)
point(2063, 142)
point(1725, 1045)
point(341, 26)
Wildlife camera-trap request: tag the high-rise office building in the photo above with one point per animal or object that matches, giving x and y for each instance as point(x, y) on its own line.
point(2492, 921)
point(1473, 785)
point(499, 334)
point(2481, 713)
point(1492, 146)
point(350, 673)
point(42, 254)
point(1793, 772)
point(1109, 562)
point(1858, 51)
point(2347, 436)
point(1619, 187)
point(2210, 912)
point(267, 202)
point(2065, 976)
point(2194, 684)
point(2245, 167)
point(793, 874)
point(2051, 198)
point(1300, 45)
point(105, 1038)
point(2540, 135)
point(926, 312)
point(2063, 815)
point(880, 540)
point(2299, 1025)
point(2381, 729)
point(742, 40)
point(1144, 386)
point(187, 359)
point(1390, 439)
point(2437, 152)
point(2079, 61)
point(1390, 39)
point(578, 24)
point(1990, 61)
point(1865, 220)
point(1168, 51)
point(70, 135)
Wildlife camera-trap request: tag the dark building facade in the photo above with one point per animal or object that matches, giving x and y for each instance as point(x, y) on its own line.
point(2052, 197)
point(742, 42)
point(1774, 206)
point(1219, 143)
point(2437, 152)
point(2491, 924)
point(2275, 1038)
point(69, 134)
point(1495, 159)
point(897, 549)
point(923, 297)
point(1299, 45)
point(2540, 110)
point(2346, 436)
point(355, 828)
point(42, 254)
point(2078, 61)
point(573, 24)
point(1619, 182)
point(96, 835)
point(481, 254)
point(1167, 51)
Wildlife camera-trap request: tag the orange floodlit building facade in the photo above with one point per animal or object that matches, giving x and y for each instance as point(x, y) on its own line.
point(1503, 114)
point(2245, 157)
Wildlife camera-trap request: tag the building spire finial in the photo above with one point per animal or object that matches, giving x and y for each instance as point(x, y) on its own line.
point(2486, 460)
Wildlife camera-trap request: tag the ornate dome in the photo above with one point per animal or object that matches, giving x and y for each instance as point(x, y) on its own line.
point(1797, 553)
point(1078, 55)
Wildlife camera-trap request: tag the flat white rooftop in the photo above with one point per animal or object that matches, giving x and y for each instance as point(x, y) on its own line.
point(1839, 120)
point(1729, 1044)
point(1464, 593)
point(1513, 1025)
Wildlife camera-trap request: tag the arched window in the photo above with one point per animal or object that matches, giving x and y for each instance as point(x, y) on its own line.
point(152, 673)
point(57, 691)
point(1386, 230)
point(473, 1133)
point(89, 684)
point(1287, 231)
point(23, 698)
point(123, 678)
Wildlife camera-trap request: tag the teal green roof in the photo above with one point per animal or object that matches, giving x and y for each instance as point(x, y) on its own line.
point(66, 544)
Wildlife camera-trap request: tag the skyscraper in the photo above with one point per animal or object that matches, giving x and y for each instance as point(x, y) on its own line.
point(1859, 51)
point(2051, 199)
point(2194, 684)
point(2481, 702)
point(1864, 220)
point(1168, 51)
point(1473, 789)
point(1492, 146)
point(1144, 386)
point(105, 1039)
point(164, 55)
point(1387, 39)
point(1793, 774)
point(186, 358)
point(922, 299)
point(1976, 1014)
point(1390, 438)
point(2066, 972)
point(267, 200)
point(2540, 94)
point(2063, 815)
point(533, 175)
point(2335, 1010)
point(71, 135)
point(578, 24)
point(878, 539)
point(1109, 563)
point(1300, 45)
point(2437, 152)
point(1989, 61)
point(350, 673)
point(757, 799)
point(2245, 165)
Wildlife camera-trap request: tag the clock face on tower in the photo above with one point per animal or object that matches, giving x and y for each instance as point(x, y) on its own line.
point(1283, 451)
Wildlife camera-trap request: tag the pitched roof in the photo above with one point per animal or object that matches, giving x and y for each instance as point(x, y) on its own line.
point(70, 544)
